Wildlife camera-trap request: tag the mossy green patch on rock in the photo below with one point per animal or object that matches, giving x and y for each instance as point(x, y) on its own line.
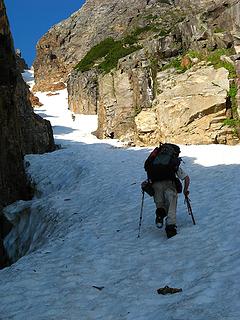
point(212, 57)
point(118, 51)
point(234, 121)
point(232, 93)
point(176, 64)
point(97, 52)
point(231, 122)
point(106, 54)
point(154, 69)
point(234, 124)
point(233, 90)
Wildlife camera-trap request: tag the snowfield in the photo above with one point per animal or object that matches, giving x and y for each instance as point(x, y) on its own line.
point(81, 257)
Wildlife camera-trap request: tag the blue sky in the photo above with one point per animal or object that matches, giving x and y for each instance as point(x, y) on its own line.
point(31, 19)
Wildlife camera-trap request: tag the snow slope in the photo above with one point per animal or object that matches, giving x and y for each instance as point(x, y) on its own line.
point(83, 260)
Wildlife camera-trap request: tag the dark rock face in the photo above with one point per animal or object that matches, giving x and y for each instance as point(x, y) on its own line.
point(21, 131)
point(13, 182)
point(5, 227)
point(36, 133)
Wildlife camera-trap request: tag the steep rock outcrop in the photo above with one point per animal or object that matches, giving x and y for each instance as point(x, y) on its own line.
point(21, 131)
point(210, 24)
point(83, 92)
point(65, 44)
point(190, 108)
point(122, 94)
point(11, 164)
point(36, 133)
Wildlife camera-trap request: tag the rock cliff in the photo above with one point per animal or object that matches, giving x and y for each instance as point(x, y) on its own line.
point(65, 44)
point(143, 73)
point(190, 106)
point(21, 131)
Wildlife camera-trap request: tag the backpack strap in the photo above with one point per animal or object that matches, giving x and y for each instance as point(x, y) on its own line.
point(150, 158)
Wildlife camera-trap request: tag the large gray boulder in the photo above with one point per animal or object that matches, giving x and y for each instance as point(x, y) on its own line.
point(190, 108)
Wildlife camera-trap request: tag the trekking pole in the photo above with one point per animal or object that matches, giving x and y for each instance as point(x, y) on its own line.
point(187, 201)
point(141, 214)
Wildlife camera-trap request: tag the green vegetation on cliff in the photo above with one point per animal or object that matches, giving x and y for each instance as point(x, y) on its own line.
point(214, 58)
point(106, 54)
point(97, 52)
point(234, 121)
point(231, 122)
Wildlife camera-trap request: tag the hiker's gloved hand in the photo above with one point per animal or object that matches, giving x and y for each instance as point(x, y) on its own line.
point(186, 193)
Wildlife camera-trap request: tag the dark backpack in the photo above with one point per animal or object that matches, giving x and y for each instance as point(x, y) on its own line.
point(163, 162)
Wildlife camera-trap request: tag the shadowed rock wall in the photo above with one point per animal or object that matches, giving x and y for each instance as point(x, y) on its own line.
point(21, 131)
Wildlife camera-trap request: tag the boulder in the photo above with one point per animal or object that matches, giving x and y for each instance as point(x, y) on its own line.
point(189, 103)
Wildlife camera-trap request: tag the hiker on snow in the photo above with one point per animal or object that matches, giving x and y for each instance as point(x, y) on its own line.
point(163, 170)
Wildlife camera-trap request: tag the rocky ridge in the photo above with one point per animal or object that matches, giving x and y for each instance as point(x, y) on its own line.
point(154, 93)
point(66, 43)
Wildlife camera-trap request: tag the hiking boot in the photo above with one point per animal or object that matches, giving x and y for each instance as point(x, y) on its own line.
point(160, 215)
point(171, 230)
